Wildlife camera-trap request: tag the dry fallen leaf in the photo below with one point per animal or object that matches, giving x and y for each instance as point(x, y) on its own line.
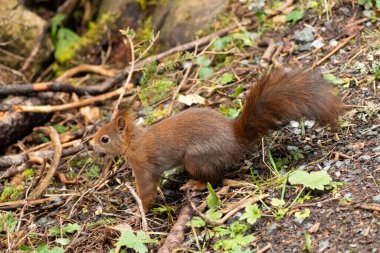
point(191, 99)
point(90, 114)
point(314, 228)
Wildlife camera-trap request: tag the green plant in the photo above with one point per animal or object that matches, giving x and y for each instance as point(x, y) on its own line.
point(66, 229)
point(137, 241)
point(168, 210)
point(93, 172)
point(8, 222)
point(251, 214)
point(295, 15)
point(11, 193)
point(42, 248)
point(235, 241)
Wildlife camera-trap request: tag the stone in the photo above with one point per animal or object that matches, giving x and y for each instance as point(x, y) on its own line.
point(180, 21)
point(305, 35)
point(23, 28)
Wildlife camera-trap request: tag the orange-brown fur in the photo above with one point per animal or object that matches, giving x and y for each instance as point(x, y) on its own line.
point(208, 144)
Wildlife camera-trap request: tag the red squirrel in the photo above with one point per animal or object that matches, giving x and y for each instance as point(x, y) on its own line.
point(205, 142)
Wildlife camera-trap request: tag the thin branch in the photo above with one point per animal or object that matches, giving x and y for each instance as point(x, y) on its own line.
point(85, 68)
point(81, 103)
point(243, 205)
point(140, 205)
point(183, 81)
point(130, 73)
point(54, 166)
point(336, 49)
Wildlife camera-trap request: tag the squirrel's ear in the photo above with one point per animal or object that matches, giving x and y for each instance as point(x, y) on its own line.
point(121, 123)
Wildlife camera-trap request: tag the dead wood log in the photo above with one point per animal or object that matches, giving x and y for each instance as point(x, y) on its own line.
point(177, 233)
point(13, 125)
point(9, 160)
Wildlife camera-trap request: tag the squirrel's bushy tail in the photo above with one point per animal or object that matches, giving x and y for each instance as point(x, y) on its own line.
point(282, 96)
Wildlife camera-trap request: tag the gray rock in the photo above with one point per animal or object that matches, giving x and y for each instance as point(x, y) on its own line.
point(294, 124)
point(377, 159)
point(292, 148)
point(307, 148)
point(22, 28)
point(297, 131)
point(309, 123)
point(305, 47)
point(364, 158)
point(345, 11)
point(376, 199)
point(180, 21)
point(323, 245)
point(305, 35)
point(372, 133)
point(339, 164)
point(376, 149)
point(273, 227)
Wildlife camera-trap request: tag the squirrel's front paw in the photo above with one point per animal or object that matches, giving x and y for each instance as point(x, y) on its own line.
point(194, 185)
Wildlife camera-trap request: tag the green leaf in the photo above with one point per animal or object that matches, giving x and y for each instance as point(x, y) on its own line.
point(61, 128)
point(203, 61)
point(314, 180)
point(44, 248)
point(8, 221)
point(304, 214)
point(134, 241)
point(212, 200)
point(219, 44)
point(197, 222)
point(238, 228)
point(230, 112)
point(252, 213)
point(93, 172)
point(237, 91)
point(213, 215)
point(66, 39)
point(205, 72)
point(56, 22)
point(295, 15)
point(232, 243)
point(227, 78)
point(63, 241)
point(308, 242)
point(71, 228)
point(333, 79)
point(277, 202)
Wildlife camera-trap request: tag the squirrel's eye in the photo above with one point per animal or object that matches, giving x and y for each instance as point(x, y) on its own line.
point(105, 139)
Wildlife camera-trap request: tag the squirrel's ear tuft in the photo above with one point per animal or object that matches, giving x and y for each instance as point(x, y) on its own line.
point(121, 123)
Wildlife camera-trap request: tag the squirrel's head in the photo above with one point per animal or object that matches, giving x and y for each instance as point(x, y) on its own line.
point(112, 138)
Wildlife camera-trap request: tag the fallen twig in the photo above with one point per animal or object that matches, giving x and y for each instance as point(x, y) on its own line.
point(177, 233)
point(336, 49)
point(129, 77)
point(199, 213)
point(243, 205)
point(371, 207)
point(54, 166)
point(85, 68)
point(140, 205)
point(81, 103)
point(265, 248)
point(183, 81)
point(9, 160)
point(267, 56)
point(23, 202)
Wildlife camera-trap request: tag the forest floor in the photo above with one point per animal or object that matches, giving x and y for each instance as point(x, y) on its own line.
point(343, 217)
